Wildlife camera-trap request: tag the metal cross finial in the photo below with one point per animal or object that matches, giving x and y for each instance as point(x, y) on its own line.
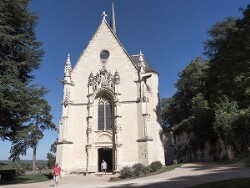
point(104, 15)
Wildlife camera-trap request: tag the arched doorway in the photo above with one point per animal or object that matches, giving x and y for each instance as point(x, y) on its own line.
point(105, 154)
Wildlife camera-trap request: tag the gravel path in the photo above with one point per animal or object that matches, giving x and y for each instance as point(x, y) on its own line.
point(184, 176)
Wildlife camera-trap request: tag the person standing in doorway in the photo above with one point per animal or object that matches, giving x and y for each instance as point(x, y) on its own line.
point(56, 173)
point(104, 166)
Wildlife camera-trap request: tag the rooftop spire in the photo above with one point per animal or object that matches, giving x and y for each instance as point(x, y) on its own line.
point(140, 57)
point(112, 20)
point(141, 63)
point(67, 69)
point(68, 60)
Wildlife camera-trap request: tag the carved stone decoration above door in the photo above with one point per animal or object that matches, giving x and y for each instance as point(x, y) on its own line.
point(103, 138)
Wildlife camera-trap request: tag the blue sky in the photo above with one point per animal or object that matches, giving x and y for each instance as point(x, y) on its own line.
point(169, 32)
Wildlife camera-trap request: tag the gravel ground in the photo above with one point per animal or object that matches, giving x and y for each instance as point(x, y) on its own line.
point(182, 177)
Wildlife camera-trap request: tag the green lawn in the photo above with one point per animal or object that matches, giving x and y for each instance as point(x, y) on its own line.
point(233, 183)
point(33, 178)
point(166, 169)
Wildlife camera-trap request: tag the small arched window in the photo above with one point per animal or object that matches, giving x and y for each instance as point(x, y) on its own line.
point(104, 114)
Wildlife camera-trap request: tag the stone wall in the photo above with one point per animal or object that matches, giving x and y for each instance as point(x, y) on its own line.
point(184, 152)
point(79, 138)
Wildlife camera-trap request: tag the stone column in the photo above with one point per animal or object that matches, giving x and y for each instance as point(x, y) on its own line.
point(64, 128)
point(117, 132)
point(89, 131)
point(60, 133)
point(118, 144)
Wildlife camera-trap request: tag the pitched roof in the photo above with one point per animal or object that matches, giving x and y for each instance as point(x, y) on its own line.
point(135, 61)
point(134, 58)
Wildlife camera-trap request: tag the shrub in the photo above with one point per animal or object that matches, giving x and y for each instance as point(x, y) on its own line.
point(146, 170)
point(20, 172)
point(7, 175)
point(51, 160)
point(49, 175)
point(137, 172)
point(126, 172)
point(156, 165)
point(138, 166)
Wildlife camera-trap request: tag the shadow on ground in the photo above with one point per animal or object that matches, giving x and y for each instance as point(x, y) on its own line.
point(214, 174)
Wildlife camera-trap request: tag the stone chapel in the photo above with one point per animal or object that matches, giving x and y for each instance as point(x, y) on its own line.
point(110, 107)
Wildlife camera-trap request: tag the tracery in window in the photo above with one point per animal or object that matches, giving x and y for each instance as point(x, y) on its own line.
point(104, 114)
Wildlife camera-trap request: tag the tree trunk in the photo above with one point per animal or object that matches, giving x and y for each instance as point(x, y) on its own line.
point(34, 147)
point(34, 159)
point(231, 152)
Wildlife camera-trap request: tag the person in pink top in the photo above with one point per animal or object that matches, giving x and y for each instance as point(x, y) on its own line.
point(56, 173)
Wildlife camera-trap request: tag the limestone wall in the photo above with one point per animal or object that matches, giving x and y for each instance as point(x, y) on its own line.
point(184, 152)
point(82, 109)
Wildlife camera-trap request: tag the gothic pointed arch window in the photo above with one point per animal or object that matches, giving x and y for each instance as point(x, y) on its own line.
point(104, 114)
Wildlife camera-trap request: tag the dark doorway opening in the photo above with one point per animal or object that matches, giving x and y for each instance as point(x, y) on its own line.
point(106, 155)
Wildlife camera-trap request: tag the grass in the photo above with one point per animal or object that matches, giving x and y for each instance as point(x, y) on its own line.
point(162, 170)
point(166, 169)
point(33, 178)
point(25, 165)
point(115, 179)
point(233, 183)
point(242, 160)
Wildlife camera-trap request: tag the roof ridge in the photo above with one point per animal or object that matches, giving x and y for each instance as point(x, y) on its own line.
point(116, 37)
point(118, 40)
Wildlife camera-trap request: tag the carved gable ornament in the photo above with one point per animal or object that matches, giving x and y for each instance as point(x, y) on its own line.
point(104, 79)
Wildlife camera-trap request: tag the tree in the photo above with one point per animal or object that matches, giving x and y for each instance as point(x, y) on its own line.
point(189, 111)
point(24, 113)
point(51, 156)
point(226, 114)
point(40, 120)
point(213, 96)
point(191, 82)
point(20, 54)
point(218, 36)
point(229, 49)
point(202, 123)
point(165, 115)
point(229, 80)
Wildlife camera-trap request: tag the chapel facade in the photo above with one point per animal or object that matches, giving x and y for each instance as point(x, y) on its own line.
point(110, 107)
